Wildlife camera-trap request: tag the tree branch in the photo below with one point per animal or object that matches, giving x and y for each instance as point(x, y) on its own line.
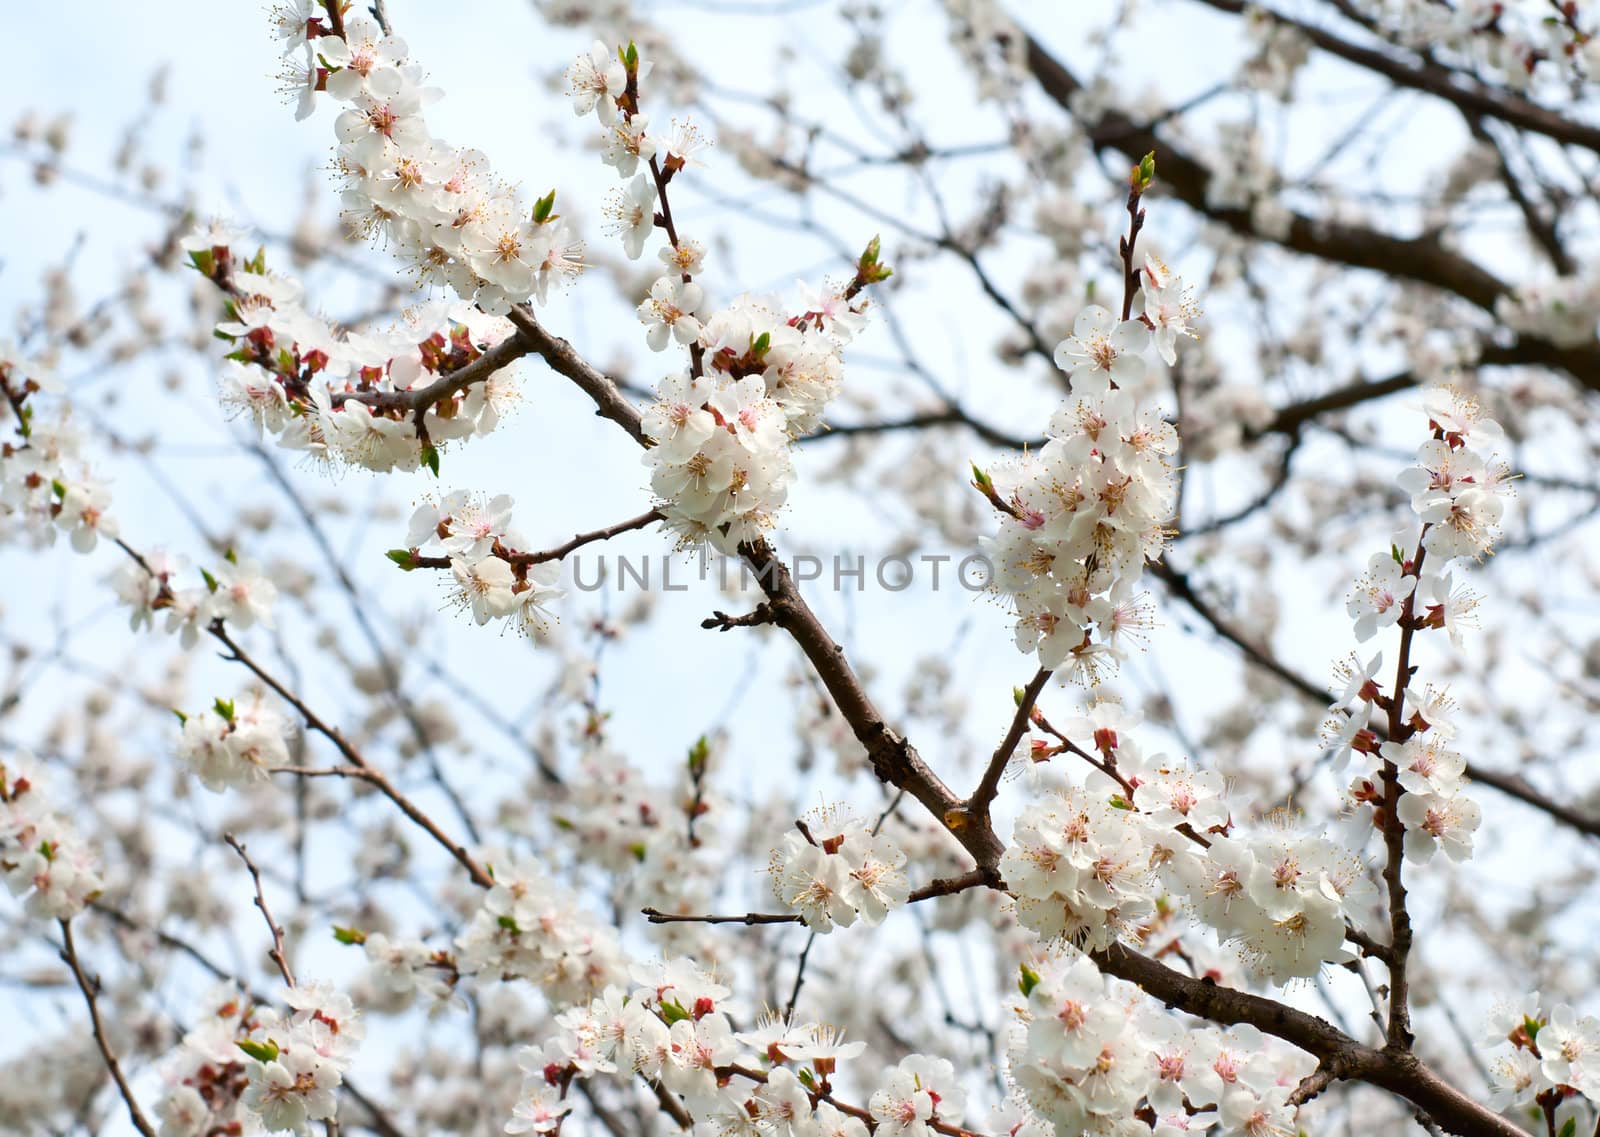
point(91, 989)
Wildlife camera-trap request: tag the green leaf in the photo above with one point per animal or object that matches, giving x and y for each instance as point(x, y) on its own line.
point(1569, 1128)
point(761, 344)
point(430, 459)
point(542, 208)
point(699, 753)
point(204, 260)
point(211, 581)
point(630, 58)
point(261, 1051)
point(1399, 557)
point(349, 935)
point(224, 708)
point(1027, 980)
point(182, 718)
point(231, 557)
point(57, 488)
point(673, 1012)
point(405, 558)
point(509, 925)
point(868, 270)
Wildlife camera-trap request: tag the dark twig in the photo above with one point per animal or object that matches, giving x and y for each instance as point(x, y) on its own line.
point(989, 786)
point(91, 990)
point(721, 621)
point(276, 954)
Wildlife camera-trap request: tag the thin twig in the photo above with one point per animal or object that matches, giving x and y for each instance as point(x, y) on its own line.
point(989, 786)
point(277, 954)
point(91, 989)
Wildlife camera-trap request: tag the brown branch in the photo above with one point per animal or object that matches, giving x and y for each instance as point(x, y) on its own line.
point(1398, 1072)
point(1470, 96)
point(940, 886)
point(1289, 419)
point(350, 754)
point(655, 916)
point(989, 786)
point(1543, 230)
point(721, 621)
point(559, 552)
point(380, 1122)
point(895, 761)
point(1421, 259)
point(1512, 785)
point(673, 1107)
point(1394, 830)
point(1516, 786)
point(420, 399)
point(952, 415)
point(564, 359)
point(276, 954)
point(91, 990)
point(1367, 944)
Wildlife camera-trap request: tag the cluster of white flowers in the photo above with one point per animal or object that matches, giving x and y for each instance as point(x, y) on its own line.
point(529, 927)
point(605, 83)
point(657, 840)
point(1282, 896)
point(721, 459)
point(675, 1028)
point(350, 397)
point(1089, 1059)
point(1244, 177)
point(237, 592)
point(614, 815)
point(46, 487)
point(1080, 516)
point(1457, 490)
point(440, 209)
point(43, 858)
point(1144, 834)
point(399, 970)
point(1518, 41)
point(1078, 869)
point(206, 1074)
point(231, 747)
point(495, 576)
point(1458, 487)
point(1565, 311)
point(297, 1061)
point(1538, 1056)
point(991, 45)
point(1280, 52)
point(761, 371)
point(1436, 813)
point(832, 868)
